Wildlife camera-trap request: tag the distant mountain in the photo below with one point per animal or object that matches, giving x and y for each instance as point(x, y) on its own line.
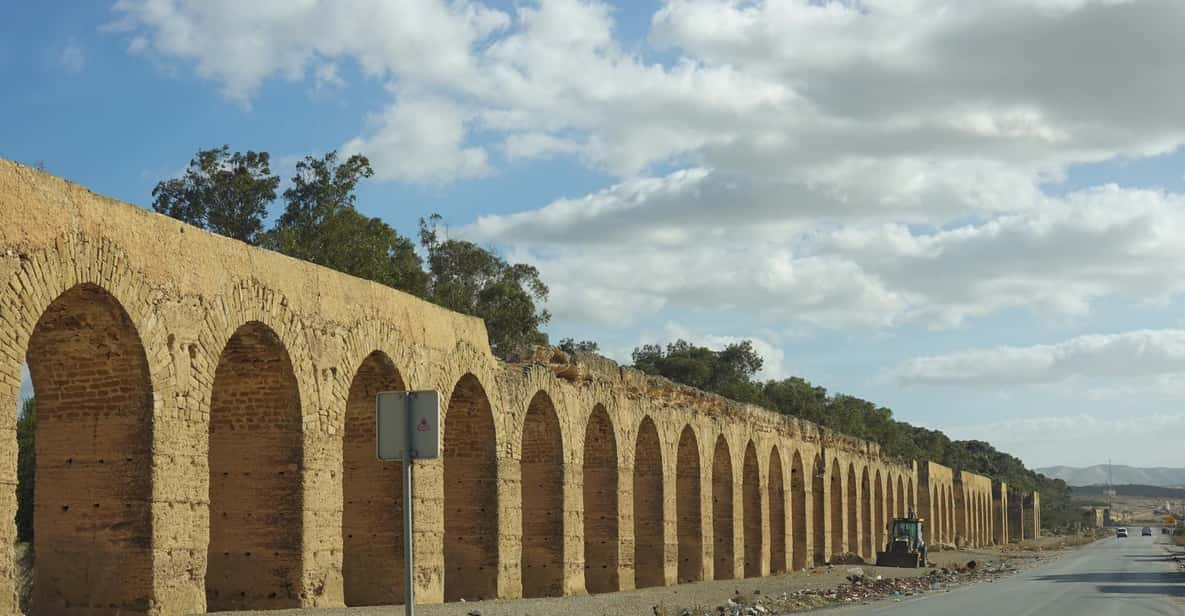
point(1097, 475)
point(1132, 490)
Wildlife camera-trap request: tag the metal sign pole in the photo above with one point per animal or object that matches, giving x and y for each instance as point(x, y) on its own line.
point(407, 428)
point(409, 592)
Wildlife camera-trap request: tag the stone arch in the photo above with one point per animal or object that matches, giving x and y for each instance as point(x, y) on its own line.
point(974, 531)
point(909, 494)
point(902, 508)
point(751, 511)
point(470, 494)
point(951, 513)
point(984, 521)
point(978, 519)
point(981, 518)
point(866, 520)
point(256, 449)
point(819, 509)
point(777, 513)
point(798, 530)
point(891, 510)
point(837, 512)
point(939, 507)
point(600, 504)
point(879, 523)
point(648, 503)
point(689, 521)
point(542, 500)
point(853, 524)
point(935, 511)
point(948, 514)
point(372, 494)
point(92, 499)
point(722, 541)
point(367, 337)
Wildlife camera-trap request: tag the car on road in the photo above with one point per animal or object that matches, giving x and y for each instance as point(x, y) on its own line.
point(1122, 532)
point(1147, 532)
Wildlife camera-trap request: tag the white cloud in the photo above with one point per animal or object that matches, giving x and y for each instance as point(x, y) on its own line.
point(1139, 439)
point(843, 164)
point(242, 44)
point(1071, 428)
point(538, 145)
point(1096, 356)
point(421, 139)
point(679, 240)
point(788, 89)
point(72, 57)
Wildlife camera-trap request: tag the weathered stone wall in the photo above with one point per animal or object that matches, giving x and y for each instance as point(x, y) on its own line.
point(973, 509)
point(1031, 515)
point(206, 424)
point(936, 493)
point(1000, 532)
point(1016, 525)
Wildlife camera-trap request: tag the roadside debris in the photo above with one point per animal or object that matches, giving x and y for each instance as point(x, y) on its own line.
point(860, 588)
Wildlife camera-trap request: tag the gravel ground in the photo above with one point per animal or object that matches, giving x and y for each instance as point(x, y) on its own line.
point(699, 597)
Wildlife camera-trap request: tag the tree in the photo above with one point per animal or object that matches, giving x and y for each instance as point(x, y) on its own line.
point(731, 373)
point(798, 397)
point(321, 225)
point(467, 278)
point(728, 372)
point(221, 192)
point(26, 466)
point(571, 346)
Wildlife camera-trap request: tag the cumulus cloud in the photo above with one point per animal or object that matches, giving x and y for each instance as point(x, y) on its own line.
point(72, 57)
point(421, 140)
point(838, 164)
point(671, 239)
point(1129, 354)
point(771, 88)
point(242, 44)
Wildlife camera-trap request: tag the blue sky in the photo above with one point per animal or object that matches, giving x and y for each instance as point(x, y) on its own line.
point(986, 237)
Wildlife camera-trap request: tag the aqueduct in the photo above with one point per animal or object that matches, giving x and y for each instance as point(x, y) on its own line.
point(206, 441)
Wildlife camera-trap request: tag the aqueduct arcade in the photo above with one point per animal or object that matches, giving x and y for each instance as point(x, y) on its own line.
point(206, 441)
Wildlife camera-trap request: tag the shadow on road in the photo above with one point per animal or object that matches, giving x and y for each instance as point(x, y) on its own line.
point(1170, 591)
point(1142, 583)
point(1150, 558)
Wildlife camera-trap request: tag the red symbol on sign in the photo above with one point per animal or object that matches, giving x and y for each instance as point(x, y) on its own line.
point(423, 427)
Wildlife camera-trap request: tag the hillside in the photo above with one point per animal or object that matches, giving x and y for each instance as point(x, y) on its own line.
point(1141, 491)
point(1097, 475)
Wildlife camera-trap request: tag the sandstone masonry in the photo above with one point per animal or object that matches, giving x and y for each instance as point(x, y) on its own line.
point(206, 441)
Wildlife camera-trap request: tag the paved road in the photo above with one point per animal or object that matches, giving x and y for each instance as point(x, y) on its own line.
point(1112, 577)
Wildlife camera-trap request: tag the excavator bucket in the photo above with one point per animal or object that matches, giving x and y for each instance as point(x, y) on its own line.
point(899, 558)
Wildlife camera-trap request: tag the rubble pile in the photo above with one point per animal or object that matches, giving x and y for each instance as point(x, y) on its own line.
point(859, 589)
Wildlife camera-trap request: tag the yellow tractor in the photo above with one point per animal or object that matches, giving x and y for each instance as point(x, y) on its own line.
point(906, 547)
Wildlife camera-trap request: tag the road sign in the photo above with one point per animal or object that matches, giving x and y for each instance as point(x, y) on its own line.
point(407, 428)
point(408, 419)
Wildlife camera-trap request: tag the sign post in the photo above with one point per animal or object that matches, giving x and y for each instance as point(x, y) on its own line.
point(407, 428)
